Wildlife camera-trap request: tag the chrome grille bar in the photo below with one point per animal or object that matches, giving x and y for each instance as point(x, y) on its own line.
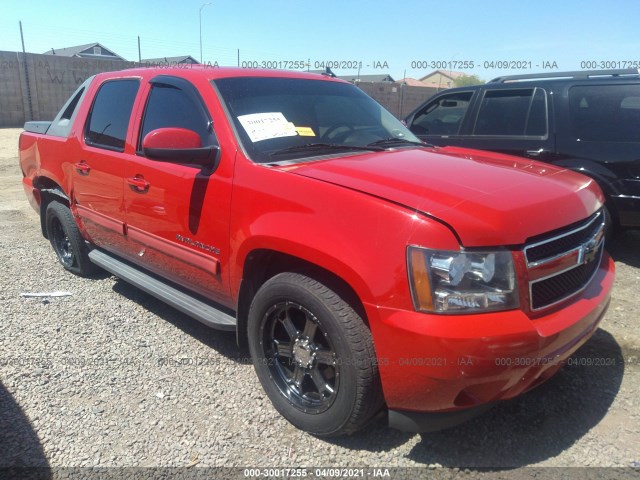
point(563, 265)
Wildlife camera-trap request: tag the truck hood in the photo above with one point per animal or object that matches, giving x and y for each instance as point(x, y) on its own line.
point(487, 199)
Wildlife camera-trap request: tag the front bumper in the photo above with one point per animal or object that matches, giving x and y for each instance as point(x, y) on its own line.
point(442, 364)
point(417, 422)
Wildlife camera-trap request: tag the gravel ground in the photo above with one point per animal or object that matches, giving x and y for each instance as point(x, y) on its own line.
point(111, 377)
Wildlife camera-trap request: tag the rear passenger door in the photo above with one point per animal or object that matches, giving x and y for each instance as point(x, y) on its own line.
point(513, 120)
point(599, 134)
point(98, 167)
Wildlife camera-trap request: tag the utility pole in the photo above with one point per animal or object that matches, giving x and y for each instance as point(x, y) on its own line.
point(402, 85)
point(200, 18)
point(139, 54)
point(26, 73)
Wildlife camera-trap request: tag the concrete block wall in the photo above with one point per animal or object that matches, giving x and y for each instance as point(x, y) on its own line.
point(398, 98)
point(49, 81)
point(38, 91)
point(11, 92)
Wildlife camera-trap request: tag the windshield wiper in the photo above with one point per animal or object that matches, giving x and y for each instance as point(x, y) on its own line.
point(390, 142)
point(325, 146)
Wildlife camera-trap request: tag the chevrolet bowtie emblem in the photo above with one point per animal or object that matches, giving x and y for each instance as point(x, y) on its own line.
point(588, 251)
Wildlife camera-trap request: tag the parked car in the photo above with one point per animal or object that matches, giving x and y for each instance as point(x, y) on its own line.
point(587, 121)
point(363, 269)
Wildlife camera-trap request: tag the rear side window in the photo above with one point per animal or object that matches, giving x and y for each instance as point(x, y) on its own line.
point(68, 112)
point(605, 113)
point(109, 117)
point(513, 112)
point(63, 121)
point(443, 116)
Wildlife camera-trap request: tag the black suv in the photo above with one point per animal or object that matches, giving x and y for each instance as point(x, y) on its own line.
point(587, 121)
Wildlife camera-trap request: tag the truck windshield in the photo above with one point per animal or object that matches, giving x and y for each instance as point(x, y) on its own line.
point(281, 119)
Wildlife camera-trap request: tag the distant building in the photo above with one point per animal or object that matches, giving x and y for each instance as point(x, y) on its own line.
point(90, 50)
point(412, 82)
point(184, 59)
point(441, 79)
point(368, 78)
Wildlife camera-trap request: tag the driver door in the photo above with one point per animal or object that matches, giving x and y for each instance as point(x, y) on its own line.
point(177, 213)
point(439, 122)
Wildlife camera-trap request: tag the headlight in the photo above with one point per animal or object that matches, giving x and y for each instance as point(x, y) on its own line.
point(461, 282)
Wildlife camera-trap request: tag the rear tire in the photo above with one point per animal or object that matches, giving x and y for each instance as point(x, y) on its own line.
point(67, 241)
point(313, 355)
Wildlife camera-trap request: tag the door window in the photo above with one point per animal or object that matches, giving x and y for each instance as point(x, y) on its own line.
point(170, 106)
point(443, 116)
point(108, 120)
point(513, 112)
point(605, 113)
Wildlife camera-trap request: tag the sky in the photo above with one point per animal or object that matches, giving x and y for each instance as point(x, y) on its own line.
point(410, 38)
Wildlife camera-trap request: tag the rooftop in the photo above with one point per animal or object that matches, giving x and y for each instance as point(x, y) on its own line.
point(89, 50)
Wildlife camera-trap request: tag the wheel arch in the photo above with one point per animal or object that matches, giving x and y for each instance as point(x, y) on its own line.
point(49, 191)
point(261, 264)
point(601, 175)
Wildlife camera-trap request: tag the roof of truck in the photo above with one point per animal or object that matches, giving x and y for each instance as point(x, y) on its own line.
point(212, 72)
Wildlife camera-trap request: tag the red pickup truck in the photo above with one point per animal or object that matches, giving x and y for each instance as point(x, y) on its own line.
point(364, 269)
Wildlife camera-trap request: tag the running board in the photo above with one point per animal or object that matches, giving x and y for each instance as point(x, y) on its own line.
point(201, 311)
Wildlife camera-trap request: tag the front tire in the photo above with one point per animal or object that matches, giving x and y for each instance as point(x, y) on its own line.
point(67, 241)
point(313, 355)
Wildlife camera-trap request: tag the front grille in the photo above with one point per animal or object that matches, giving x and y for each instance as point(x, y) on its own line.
point(552, 290)
point(565, 242)
point(564, 263)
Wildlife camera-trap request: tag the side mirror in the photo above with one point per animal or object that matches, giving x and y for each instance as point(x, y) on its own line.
point(179, 145)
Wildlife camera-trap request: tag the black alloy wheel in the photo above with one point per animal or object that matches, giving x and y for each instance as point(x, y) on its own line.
point(61, 243)
point(67, 241)
point(313, 355)
point(300, 357)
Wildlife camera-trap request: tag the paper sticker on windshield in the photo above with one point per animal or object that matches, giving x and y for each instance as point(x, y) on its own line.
point(305, 131)
point(263, 126)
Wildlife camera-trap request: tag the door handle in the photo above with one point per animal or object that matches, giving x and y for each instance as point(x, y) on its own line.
point(535, 153)
point(138, 184)
point(82, 167)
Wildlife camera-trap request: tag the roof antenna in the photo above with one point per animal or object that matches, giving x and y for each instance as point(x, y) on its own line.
point(327, 72)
